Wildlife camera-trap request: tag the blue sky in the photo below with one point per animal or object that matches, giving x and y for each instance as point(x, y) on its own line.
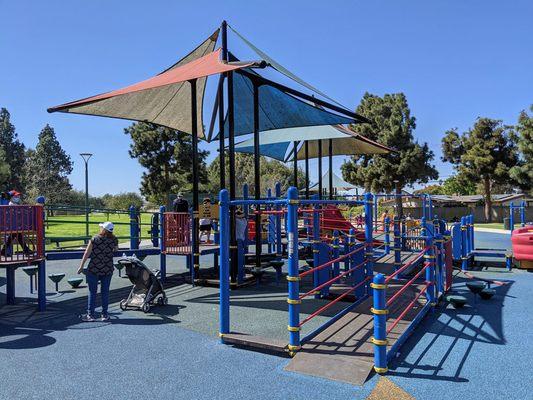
point(455, 60)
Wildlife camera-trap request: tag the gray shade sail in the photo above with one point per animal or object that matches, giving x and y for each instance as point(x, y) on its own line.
point(338, 182)
point(164, 99)
point(276, 143)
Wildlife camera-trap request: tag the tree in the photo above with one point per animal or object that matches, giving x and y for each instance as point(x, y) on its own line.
point(13, 151)
point(458, 185)
point(483, 154)
point(77, 198)
point(431, 189)
point(166, 154)
point(392, 126)
point(5, 173)
point(271, 172)
point(47, 169)
point(122, 201)
point(522, 173)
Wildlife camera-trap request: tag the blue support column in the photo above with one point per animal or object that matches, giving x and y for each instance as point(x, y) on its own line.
point(224, 314)
point(293, 276)
point(162, 244)
point(397, 246)
point(351, 247)
point(430, 208)
point(346, 251)
point(10, 285)
point(464, 257)
point(380, 312)
point(336, 253)
point(216, 232)
point(41, 272)
point(270, 230)
point(369, 252)
point(511, 216)
point(246, 209)
point(424, 207)
point(316, 250)
point(403, 227)
point(471, 237)
point(279, 248)
point(429, 257)
point(134, 229)
point(523, 213)
point(387, 235)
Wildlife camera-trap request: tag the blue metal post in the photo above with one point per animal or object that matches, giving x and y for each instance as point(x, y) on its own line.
point(380, 311)
point(523, 213)
point(134, 229)
point(270, 219)
point(464, 257)
point(472, 243)
point(351, 259)
point(424, 206)
point(162, 244)
point(346, 251)
point(41, 273)
point(224, 263)
point(246, 209)
point(429, 257)
point(430, 208)
point(387, 235)
point(511, 216)
point(279, 248)
point(216, 232)
point(397, 246)
point(439, 271)
point(316, 251)
point(336, 253)
point(369, 253)
point(403, 226)
point(293, 277)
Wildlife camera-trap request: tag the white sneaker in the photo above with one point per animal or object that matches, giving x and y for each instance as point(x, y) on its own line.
point(104, 317)
point(87, 318)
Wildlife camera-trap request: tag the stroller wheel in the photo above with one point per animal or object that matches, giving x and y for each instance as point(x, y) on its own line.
point(146, 307)
point(122, 305)
point(160, 301)
point(165, 300)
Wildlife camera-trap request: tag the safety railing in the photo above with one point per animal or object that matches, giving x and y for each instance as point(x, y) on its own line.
point(177, 233)
point(21, 234)
point(428, 286)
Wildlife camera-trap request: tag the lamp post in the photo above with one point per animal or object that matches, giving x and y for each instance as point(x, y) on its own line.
point(86, 157)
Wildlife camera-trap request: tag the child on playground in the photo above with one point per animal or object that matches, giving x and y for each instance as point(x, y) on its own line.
point(100, 250)
point(205, 223)
point(14, 200)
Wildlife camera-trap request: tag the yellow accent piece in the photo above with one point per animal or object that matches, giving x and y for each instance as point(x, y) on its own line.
point(378, 286)
point(379, 342)
point(293, 328)
point(433, 304)
point(196, 265)
point(335, 246)
point(197, 254)
point(291, 301)
point(220, 334)
point(291, 347)
point(381, 370)
point(369, 253)
point(316, 251)
point(463, 228)
point(379, 312)
point(292, 353)
point(294, 201)
point(293, 278)
point(429, 257)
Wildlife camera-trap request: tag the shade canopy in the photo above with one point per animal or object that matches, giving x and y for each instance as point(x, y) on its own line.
point(276, 143)
point(277, 109)
point(164, 99)
point(338, 182)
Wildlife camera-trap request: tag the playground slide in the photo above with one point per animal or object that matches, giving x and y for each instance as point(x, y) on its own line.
point(522, 240)
point(333, 219)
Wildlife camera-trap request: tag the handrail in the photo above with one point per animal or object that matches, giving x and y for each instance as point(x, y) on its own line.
point(409, 306)
point(406, 285)
point(404, 267)
point(331, 262)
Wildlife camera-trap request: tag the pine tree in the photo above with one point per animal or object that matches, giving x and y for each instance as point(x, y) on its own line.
point(5, 173)
point(523, 172)
point(392, 126)
point(13, 151)
point(484, 154)
point(47, 169)
point(166, 154)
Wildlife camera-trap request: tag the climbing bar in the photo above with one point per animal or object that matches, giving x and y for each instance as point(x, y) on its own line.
point(409, 306)
point(406, 285)
point(327, 283)
point(337, 299)
point(330, 262)
point(336, 202)
point(407, 265)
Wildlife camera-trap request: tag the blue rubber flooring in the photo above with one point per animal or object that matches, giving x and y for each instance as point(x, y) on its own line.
point(483, 351)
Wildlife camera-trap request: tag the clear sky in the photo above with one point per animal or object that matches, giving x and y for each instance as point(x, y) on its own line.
point(455, 60)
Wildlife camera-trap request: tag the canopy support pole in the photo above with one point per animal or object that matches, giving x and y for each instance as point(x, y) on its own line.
point(195, 203)
point(222, 134)
point(320, 169)
point(295, 164)
point(306, 146)
point(257, 176)
point(330, 172)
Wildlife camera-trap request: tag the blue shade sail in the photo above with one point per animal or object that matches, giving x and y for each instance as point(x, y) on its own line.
point(277, 109)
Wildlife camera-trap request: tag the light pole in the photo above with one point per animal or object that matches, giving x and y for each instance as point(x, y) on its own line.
point(86, 157)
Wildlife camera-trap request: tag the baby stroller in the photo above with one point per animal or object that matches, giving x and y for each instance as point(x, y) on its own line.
point(147, 288)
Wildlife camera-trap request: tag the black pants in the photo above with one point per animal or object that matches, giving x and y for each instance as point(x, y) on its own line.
point(19, 237)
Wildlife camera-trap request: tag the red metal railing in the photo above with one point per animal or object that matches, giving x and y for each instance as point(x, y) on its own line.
point(21, 234)
point(178, 233)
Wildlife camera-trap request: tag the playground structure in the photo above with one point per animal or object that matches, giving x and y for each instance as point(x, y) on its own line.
point(522, 237)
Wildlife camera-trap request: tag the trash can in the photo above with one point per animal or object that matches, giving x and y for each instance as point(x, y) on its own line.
point(507, 223)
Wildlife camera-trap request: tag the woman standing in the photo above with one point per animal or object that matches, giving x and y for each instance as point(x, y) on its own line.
point(100, 249)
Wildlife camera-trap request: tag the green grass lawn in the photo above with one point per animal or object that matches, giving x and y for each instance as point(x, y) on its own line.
point(493, 225)
point(73, 226)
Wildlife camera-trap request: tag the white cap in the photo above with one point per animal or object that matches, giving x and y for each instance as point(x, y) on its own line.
point(108, 226)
